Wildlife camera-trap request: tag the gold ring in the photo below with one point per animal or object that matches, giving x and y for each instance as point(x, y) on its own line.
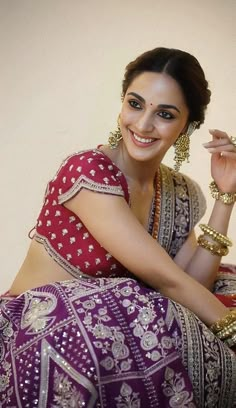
point(233, 140)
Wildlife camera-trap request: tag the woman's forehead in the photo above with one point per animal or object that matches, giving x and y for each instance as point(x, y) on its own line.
point(152, 86)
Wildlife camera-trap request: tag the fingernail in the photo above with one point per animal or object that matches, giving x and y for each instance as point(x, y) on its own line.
point(211, 130)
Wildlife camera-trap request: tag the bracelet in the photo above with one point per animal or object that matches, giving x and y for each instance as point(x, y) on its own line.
point(226, 198)
point(228, 331)
point(213, 248)
point(231, 342)
point(217, 236)
point(223, 322)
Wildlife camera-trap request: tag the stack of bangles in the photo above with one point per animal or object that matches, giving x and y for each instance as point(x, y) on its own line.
point(220, 243)
point(225, 329)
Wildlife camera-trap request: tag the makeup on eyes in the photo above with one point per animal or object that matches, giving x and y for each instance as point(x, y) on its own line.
point(160, 106)
point(163, 111)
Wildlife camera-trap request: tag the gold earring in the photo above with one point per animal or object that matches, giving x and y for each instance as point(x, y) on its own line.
point(115, 137)
point(182, 146)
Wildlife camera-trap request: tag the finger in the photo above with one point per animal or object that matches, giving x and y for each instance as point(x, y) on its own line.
point(219, 134)
point(217, 142)
point(221, 149)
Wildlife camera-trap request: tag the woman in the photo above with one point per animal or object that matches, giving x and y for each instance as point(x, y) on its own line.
point(125, 331)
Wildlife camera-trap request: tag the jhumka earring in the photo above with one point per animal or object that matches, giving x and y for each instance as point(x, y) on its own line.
point(115, 137)
point(182, 145)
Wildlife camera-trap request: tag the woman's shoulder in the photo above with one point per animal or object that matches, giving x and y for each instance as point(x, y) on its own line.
point(89, 162)
point(87, 156)
point(91, 169)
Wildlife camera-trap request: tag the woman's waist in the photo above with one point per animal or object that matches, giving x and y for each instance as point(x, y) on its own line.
point(44, 265)
point(82, 256)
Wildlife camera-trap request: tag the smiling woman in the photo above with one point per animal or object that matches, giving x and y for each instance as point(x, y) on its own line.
point(113, 305)
point(154, 113)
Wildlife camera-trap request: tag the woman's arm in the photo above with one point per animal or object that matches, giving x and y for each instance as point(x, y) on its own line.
point(199, 262)
point(111, 222)
point(196, 261)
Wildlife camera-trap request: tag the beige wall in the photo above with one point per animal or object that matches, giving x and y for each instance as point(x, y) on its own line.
point(61, 68)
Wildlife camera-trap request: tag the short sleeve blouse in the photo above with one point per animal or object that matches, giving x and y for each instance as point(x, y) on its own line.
point(62, 233)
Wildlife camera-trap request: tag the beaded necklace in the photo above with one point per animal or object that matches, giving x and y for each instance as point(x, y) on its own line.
point(157, 204)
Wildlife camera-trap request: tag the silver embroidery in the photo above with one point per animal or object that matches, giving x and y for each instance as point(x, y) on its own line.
point(85, 182)
point(182, 206)
point(200, 356)
point(48, 353)
point(167, 209)
point(128, 398)
point(36, 310)
point(174, 389)
point(66, 394)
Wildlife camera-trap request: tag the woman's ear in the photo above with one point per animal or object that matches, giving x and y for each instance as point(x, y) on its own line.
point(190, 127)
point(185, 128)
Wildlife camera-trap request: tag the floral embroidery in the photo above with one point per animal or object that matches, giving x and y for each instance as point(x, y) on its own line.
point(114, 337)
point(145, 321)
point(178, 220)
point(65, 394)
point(114, 343)
point(174, 388)
point(127, 398)
point(202, 353)
point(5, 378)
point(6, 334)
point(37, 307)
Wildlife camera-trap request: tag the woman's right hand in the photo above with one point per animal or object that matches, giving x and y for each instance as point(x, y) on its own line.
point(223, 161)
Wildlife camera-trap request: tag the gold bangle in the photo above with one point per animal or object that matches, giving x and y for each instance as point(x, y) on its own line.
point(215, 249)
point(217, 236)
point(227, 331)
point(226, 198)
point(223, 322)
point(231, 342)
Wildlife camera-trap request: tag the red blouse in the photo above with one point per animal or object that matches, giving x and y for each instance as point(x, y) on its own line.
point(62, 233)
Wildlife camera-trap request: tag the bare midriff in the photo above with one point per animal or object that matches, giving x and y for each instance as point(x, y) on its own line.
point(38, 269)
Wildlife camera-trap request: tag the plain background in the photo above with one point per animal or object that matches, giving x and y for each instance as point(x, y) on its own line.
point(62, 63)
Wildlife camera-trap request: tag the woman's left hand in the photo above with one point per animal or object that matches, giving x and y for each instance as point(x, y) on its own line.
point(223, 161)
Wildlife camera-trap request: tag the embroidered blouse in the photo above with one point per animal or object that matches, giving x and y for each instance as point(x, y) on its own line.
point(67, 239)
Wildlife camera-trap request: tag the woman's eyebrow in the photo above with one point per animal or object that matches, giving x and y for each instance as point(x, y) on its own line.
point(137, 96)
point(162, 105)
point(166, 106)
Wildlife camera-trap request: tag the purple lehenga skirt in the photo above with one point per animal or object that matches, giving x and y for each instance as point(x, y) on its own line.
point(109, 343)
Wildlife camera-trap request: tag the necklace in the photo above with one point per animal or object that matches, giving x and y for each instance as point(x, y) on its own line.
point(157, 204)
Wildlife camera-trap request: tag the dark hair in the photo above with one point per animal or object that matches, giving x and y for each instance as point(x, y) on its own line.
point(181, 66)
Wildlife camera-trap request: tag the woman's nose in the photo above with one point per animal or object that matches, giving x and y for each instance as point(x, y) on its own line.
point(144, 123)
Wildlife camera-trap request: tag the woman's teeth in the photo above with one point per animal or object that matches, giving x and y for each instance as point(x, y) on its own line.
point(142, 139)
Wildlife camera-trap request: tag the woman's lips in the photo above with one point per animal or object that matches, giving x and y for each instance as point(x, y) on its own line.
point(142, 141)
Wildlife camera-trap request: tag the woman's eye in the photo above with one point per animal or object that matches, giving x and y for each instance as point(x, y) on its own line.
point(165, 115)
point(134, 104)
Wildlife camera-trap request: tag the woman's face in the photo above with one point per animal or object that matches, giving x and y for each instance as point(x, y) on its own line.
point(153, 115)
